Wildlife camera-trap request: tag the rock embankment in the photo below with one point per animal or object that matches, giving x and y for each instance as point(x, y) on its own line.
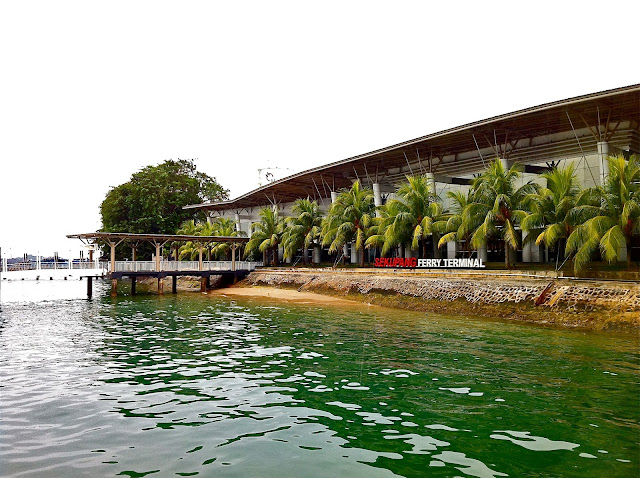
point(567, 302)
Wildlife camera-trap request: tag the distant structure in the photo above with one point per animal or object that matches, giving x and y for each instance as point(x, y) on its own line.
point(270, 174)
point(585, 129)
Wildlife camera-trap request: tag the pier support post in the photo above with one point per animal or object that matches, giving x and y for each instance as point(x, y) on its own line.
point(114, 287)
point(89, 287)
point(158, 257)
point(160, 285)
point(174, 284)
point(203, 284)
point(133, 285)
point(112, 267)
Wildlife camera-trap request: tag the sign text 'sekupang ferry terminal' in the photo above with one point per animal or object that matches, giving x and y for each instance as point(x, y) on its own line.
point(584, 130)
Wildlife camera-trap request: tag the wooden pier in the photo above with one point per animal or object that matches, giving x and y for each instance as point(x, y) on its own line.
point(159, 269)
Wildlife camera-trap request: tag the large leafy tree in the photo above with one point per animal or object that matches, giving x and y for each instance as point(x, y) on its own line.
point(349, 218)
point(610, 225)
point(152, 200)
point(413, 215)
point(266, 235)
point(302, 229)
point(497, 203)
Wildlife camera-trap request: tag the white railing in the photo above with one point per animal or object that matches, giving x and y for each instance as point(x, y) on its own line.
point(60, 265)
point(182, 266)
point(135, 266)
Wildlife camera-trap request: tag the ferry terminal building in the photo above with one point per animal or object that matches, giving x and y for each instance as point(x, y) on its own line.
point(584, 129)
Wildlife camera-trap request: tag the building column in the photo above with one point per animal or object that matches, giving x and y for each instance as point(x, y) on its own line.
point(355, 255)
point(377, 195)
point(437, 252)
point(237, 219)
point(506, 163)
point(482, 253)
point(317, 251)
point(452, 249)
point(431, 179)
point(531, 252)
point(409, 253)
point(345, 248)
point(603, 154)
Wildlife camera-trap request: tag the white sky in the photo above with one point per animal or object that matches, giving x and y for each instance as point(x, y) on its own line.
point(91, 92)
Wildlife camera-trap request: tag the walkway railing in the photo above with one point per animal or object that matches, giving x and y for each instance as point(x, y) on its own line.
point(59, 265)
point(181, 266)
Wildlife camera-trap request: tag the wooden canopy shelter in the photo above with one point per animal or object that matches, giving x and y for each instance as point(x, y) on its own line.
point(114, 239)
point(557, 130)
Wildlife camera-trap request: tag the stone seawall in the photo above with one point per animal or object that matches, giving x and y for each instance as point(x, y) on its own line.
point(532, 298)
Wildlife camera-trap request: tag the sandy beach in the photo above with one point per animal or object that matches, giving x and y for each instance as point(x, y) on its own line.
point(287, 295)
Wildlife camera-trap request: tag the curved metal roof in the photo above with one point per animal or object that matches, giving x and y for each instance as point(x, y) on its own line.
point(611, 115)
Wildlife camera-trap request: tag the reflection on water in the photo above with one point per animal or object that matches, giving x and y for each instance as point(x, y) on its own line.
point(195, 385)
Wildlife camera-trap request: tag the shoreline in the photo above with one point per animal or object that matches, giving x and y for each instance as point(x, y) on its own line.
point(583, 305)
point(284, 294)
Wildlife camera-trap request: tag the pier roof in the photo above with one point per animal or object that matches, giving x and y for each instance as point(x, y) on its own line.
point(154, 238)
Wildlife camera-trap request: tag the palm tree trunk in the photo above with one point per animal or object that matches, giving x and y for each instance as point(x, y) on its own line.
point(264, 258)
point(507, 259)
point(424, 248)
point(305, 252)
point(275, 256)
point(561, 249)
point(628, 241)
point(362, 257)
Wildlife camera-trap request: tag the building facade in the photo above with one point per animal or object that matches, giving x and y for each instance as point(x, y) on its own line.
point(584, 130)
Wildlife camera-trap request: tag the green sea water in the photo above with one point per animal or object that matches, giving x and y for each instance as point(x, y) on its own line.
point(195, 385)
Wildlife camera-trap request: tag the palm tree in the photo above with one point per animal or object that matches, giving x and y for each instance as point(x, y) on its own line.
point(223, 227)
point(349, 219)
point(497, 202)
point(414, 214)
point(303, 229)
point(265, 234)
point(610, 225)
point(376, 232)
point(549, 220)
point(189, 249)
point(455, 228)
